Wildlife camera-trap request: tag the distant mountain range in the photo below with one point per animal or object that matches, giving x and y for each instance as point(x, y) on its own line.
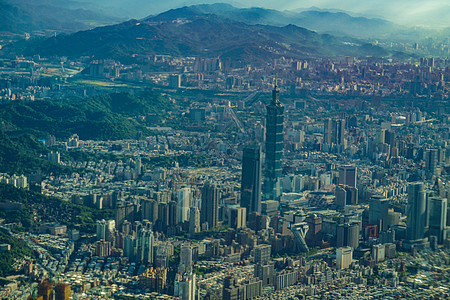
point(191, 32)
point(20, 16)
point(337, 23)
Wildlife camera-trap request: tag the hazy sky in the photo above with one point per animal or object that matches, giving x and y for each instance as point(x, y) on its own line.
point(407, 12)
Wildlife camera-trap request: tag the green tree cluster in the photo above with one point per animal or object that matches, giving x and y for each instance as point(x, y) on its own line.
point(18, 251)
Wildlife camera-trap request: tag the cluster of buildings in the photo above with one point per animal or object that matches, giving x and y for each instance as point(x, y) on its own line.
point(34, 78)
point(338, 188)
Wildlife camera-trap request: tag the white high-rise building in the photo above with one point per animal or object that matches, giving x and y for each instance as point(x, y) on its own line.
point(184, 203)
point(344, 256)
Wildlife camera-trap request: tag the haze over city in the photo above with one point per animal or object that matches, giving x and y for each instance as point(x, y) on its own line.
point(410, 13)
point(239, 150)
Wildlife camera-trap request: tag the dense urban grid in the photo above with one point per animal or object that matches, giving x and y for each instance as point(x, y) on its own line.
point(287, 179)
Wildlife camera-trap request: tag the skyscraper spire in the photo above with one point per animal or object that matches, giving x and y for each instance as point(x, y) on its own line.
point(276, 95)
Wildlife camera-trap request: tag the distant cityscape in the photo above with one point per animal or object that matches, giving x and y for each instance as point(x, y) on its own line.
point(199, 177)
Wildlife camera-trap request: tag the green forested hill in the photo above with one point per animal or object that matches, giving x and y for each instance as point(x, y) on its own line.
point(105, 117)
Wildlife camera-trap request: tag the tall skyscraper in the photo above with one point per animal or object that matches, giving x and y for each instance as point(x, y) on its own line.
point(210, 205)
point(416, 222)
point(438, 218)
point(348, 175)
point(274, 147)
point(184, 202)
point(379, 212)
point(334, 133)
point(251, 179)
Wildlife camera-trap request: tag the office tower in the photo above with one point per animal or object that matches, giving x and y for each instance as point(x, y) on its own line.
point(237, 217)
point(347, 175)
point(352, 195)
point(327, 131)
point(334, 132)
point(262, 253)
point(348, 235)
point(416, 222)
point(62, 291)
point(341, 197)
point(378, 252)
point(339, 132)
point(431, 161)
point(379, 212)
point(274, 147)
point(344, 256)
point(209, 213)
point(251, 179)
point(194, 220)
point(184, 202)
point(437, 208)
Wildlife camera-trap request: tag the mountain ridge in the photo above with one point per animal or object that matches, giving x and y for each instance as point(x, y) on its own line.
point(192, 34)
point(321, 21)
